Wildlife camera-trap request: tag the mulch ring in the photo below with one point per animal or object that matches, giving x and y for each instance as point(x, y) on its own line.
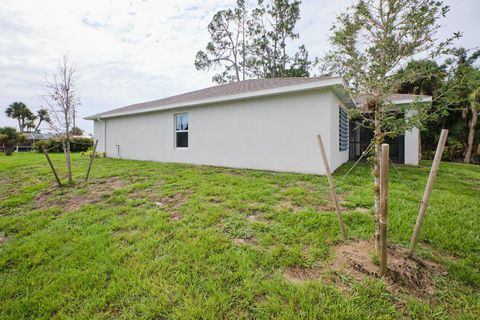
point(405, 273)
point(68, 200)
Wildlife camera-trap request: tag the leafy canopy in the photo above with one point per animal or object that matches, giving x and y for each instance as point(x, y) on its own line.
point(253, 43)
point(372, 41)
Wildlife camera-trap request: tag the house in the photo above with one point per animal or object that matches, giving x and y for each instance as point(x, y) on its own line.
point(268, 124)
point(31, 138)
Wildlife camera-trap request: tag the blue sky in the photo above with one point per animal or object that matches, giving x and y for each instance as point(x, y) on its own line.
point(132, 51)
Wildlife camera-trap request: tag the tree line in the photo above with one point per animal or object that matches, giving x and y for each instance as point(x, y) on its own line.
point(253, 42)
point(373, 45)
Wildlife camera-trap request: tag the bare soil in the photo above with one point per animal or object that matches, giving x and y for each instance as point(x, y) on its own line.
point(405, 272)
point(175, 216)
point(3, 238)
point(69, 201)
point(174, 201)
point(300, 275)
point(246, 241)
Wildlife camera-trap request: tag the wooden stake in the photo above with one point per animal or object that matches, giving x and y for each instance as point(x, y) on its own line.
point(51, 167)
point(91, 160)
point(332, 187)
point(428, 189)
point(384, 208)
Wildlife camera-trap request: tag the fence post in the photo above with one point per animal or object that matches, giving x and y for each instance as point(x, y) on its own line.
point(428, 189)
point(91, 160)
point(333, 189)
point(384, 208)
point(51, 167)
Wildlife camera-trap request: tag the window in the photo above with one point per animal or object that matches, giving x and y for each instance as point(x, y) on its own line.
point(343, 129)
point(181, 130)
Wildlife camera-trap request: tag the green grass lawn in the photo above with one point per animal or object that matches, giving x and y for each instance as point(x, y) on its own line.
point(174, 241)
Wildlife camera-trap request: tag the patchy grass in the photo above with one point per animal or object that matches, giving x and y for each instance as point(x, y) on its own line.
point(174, 241)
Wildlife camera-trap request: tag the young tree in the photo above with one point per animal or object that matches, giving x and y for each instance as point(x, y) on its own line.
point(24, 116)
point(373, 40)
point(227, 47)
point(42, 116)
point(62, 100)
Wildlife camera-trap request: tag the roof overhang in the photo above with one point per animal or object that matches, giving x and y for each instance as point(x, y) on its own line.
point(337, 84)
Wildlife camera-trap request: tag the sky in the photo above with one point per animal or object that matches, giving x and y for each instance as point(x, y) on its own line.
point(126, 52)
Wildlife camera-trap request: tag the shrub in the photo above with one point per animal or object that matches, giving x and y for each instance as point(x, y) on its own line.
point(80, 144)
point(90, 152)
point(54, 145)
point(9, 138)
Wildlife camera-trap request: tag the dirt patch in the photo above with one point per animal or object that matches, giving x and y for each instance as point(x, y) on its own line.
point(175, 216)
point(405, 273)
point(245, 241)
point(174, 201)
point(255, 216)
point(68, 200)
point(215, 200)
point(300, 275)
point(3, 239)
point(361, 210)
point(295, 208)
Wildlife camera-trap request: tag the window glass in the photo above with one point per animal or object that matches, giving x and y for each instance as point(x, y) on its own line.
point(181, 130)
point(182, 139)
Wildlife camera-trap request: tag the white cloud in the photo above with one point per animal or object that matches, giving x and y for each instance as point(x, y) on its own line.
point(131, 51)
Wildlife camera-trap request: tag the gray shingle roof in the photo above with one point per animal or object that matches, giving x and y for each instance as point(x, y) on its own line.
point(213, 92)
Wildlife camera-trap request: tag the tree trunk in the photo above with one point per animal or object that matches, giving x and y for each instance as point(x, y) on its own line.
point(376, 176)
point(66, 150)
point(471, 134)
point(38, 125)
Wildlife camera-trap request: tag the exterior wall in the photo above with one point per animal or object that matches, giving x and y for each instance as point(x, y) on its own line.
point(99, 133)
point(412, 140)
point(272, 133)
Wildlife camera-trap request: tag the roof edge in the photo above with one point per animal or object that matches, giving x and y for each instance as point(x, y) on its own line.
point(323, 83)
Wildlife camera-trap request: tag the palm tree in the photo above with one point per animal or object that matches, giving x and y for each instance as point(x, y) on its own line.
point(474, 99)
point(24, 116)
point(42, 115)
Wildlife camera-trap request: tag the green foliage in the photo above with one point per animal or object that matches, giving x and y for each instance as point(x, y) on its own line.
point(228, 45)
point(78, 144)
point(371, 42)
point(24, 116)
point(454, 86)
point(76, 131)
point(253, 43)
point(89, 154)
point(110, 249)
point(9, 138)
point(42, 116)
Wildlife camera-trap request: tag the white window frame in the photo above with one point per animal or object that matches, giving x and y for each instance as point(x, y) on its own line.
point(175, 129)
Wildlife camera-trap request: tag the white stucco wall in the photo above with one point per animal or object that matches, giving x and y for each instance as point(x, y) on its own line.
point(99, 133)
point(272, 133)
point(412, 140)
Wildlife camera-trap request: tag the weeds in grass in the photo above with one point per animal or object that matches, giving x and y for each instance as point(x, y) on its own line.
point(161, 240)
